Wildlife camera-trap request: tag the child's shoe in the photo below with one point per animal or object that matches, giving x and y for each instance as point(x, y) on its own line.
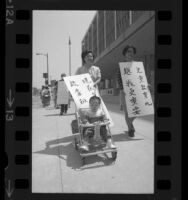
point(109, 144)
point(84, 147)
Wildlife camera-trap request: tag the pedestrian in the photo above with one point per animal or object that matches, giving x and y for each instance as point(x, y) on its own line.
point(120, 103)
point(62, 95)
point(94, 72)
point(41, 93)
point(69, 101)
point(128, 52)
point(54, 94)
point(88, 67)
point(46, 96)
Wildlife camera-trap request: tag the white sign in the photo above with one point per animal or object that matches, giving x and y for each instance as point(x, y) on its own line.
point(62, 93)
point(135, 85)
point(82, 89)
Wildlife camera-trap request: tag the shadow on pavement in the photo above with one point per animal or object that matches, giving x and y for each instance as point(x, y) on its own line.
point(57, 114)
point(124, 137)
point(60, 140)
point(73, 159)
point(64, 152)
point(68, 114)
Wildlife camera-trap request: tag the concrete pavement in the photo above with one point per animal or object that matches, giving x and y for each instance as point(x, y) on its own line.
point(58, 169)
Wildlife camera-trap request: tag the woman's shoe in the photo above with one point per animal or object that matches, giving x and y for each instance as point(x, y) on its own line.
point(131, 133)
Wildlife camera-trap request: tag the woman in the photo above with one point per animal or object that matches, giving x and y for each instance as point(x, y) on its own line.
point(88, 67)
point(128, 53)
point(95, 73)
point(41, 93)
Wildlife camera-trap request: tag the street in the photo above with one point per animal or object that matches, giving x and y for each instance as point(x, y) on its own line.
point(58, 169)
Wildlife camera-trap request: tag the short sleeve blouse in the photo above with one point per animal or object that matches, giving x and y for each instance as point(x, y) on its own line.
point(94, 72)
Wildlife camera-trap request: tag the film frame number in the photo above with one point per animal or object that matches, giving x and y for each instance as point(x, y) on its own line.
point(9, 12)
point(9, 115)
point(9, 112)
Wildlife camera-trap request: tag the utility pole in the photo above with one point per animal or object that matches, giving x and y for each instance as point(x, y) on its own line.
point(45, 54)
point(47, 69)
point(69, 57)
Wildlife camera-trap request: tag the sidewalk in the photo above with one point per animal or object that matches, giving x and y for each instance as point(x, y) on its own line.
point(57, 169)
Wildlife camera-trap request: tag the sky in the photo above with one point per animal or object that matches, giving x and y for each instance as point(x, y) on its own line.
point(51, 32)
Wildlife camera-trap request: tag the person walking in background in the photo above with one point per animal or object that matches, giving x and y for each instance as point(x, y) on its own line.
point(46, 97)
point(128, 52)
point(41, 93)
point(88, 67)
point(54, 94)
point(62, 95)
point(120, 102)
point(69, 101)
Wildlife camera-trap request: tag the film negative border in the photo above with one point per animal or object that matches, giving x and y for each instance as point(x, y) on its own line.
point(163, 111)
point(22, 88)
point(165, 107)
point(19, 111)
point(18, 114)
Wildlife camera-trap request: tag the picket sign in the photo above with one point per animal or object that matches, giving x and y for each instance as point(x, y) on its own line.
point(82, 89)
point(62, 93)
point(135, 85)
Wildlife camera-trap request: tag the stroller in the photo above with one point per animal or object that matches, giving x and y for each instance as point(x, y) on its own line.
point(96, 147)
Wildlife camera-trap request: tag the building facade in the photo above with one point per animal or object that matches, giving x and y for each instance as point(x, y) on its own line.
point(107, 35)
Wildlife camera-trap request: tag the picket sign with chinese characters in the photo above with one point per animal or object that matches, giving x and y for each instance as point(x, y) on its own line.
point(82, 89)
point(62, 93)
point(135, 85)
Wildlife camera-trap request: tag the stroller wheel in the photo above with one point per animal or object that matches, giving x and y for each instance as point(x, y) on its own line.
point(114, 155)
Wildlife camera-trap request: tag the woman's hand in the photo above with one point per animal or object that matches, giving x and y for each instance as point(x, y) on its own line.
point(106, 120)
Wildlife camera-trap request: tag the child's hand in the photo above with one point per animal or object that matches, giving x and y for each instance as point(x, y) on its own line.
point(84, 121)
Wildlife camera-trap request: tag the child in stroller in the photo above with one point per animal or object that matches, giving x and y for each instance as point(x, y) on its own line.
point(95, 115)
